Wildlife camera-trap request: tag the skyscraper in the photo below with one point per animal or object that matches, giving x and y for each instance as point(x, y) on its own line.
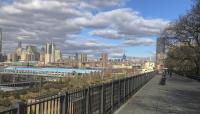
point(104, 60)
point(124, 57)
point(160, 53)
point(76, 57)
point(51, 53)
point(1, 54)
point(57, 55)
point(30, 53)
point(1, 38)
point(19, 44)
point(81, 59)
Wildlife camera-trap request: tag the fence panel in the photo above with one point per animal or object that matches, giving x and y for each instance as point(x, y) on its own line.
point(107, 98)
point(122, 90)
point(77, 102)
point(95, 100)
point(126, 88)
point(45, 106)
point(99, 99)
point(10, 111)
point(116, 94)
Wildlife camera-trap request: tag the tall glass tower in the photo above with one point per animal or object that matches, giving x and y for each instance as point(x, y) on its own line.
point(1, 38)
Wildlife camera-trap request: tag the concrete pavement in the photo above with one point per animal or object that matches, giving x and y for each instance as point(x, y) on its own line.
point(179, 96)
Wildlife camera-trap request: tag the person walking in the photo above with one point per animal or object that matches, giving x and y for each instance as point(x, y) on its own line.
point(170, 73)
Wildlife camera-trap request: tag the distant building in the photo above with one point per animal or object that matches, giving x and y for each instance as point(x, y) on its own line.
point(42, 55)
point(52, 54)
point(124, 57)
point(148, 66)
point(30, 54)
point(160, 53)
point(12, 57)
point(19, 44)
point(1, 40)
point(76, 57)
point(81, 59)
point(122, 66)
point(57, 55)
point(104, 60)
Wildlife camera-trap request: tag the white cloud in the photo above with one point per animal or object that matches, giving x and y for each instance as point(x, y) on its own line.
point(127, 22)
point(107, 33)
point(61, 21)
point(139, 41)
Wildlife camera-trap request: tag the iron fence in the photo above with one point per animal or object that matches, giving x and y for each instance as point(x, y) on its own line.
point(100, 99)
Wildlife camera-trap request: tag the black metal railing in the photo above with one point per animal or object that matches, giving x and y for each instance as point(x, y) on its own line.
point(10, 111)
point(100, 99)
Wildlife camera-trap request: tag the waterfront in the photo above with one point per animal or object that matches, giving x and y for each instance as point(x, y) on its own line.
point(47, 71)
point(8, 89)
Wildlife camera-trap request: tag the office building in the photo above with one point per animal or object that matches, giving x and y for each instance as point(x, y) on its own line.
point(12, 57)
point(57, 55)
point(52, 54)
point(1, 38)
point(30, 54)
point(160, 53)
point(104, 60)
point(81, 59)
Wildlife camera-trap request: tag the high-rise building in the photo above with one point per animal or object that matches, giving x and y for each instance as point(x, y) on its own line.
point(124, 57)
point(51, 53)
point(12, 57)
point(1, 38)
point(83, 57)
point(19, 44)
point(19, 50)
point(42, 55)
point(76, 57)
point(160, 53)
point(30, 54)
point(104, 60)
point(57, 55)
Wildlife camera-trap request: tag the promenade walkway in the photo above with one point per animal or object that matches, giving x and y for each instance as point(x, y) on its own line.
point(179, 96)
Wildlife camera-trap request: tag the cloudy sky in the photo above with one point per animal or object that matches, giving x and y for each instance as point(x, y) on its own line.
point(90, 26)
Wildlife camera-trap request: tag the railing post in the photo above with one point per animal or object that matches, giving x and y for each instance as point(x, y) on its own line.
point(128, 87)
point(21, 107)
point(112, 96)
point(132, 86)
point(119, 93)
point(64, 103)
point(87, 95)
point(102, 98)
point(124, 90)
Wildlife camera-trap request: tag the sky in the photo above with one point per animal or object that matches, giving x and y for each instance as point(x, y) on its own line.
point(89, 26)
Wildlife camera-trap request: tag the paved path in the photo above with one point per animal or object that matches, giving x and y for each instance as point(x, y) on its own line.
point(179, 96)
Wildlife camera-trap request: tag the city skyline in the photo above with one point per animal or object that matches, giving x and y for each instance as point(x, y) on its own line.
point(86, 26)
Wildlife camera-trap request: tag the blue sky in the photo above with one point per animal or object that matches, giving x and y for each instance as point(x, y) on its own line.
point(165, 9)
point(89, 26)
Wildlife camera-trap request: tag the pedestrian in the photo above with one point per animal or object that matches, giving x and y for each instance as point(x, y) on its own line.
point(170, 74)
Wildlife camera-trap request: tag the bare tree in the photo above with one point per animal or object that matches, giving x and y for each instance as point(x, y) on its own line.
point(183, 41)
